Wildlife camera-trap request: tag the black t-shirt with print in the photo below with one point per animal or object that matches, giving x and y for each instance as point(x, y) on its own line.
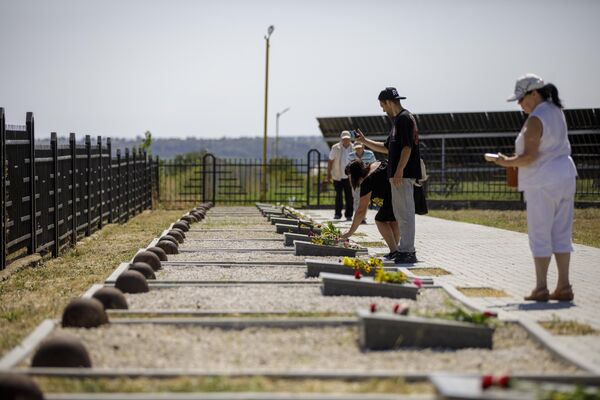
point(404, 133)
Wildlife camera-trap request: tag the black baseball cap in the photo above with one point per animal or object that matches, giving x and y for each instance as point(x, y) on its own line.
point(390, 93)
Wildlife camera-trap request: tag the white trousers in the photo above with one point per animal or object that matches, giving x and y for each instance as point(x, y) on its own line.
point(550, 218)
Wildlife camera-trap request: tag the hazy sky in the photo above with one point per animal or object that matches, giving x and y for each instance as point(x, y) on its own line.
point(196, 68)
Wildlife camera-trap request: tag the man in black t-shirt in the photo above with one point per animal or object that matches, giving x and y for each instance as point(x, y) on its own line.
point(404, 167)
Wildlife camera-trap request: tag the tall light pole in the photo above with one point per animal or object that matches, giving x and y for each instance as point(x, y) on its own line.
point(279, 114)
point(263, 192)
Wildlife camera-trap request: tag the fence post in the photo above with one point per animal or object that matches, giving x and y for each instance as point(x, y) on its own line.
point(157, 172)
point(443, 166)
point(119, 194)
point(147, 183)
point(73, 148)
point(2, 190)
point(128, 186)
point(54, 147)
point(100, 185)
point(88, 152)
point(32, 200)
point(110, 179)
point(134, 181)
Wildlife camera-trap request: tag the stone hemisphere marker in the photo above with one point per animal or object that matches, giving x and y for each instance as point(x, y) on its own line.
point(162, 256)
point(61, 351)
point(19, 387)
point(181, 232)
point(84, 313)
point(190, 219)
point(149, 258)
point(181, 225)
point(132, 282)
point(168, 246)
point(143, 269)
point(177, 235)
point(170, 239)
point(111, 298)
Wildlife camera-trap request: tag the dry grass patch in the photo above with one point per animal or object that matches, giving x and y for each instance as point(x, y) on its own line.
point(557, 326)
point(482, 292)
point(586, 222)
point(228, 384)
point(429, 271)
point(31, 295)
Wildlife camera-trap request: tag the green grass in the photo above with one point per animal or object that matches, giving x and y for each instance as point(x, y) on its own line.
point(586, 222)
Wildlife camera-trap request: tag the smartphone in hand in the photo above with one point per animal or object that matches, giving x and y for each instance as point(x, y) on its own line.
point(357, 134)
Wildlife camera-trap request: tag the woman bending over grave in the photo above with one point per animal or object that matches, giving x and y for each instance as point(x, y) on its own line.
point(547, 179)
point(374, 183)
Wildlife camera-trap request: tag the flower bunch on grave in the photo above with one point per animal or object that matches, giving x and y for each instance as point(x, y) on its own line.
point(479, 318)
point(364, 265)
point(487, 381)
point(331, 236)
point(377, 201)
point(383, 276)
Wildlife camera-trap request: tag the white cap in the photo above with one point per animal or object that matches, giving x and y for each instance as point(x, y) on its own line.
point(345, 135)
point(357, 145)
point(525, 84)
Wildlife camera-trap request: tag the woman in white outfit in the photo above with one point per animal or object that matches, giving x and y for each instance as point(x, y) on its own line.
point(547, 179)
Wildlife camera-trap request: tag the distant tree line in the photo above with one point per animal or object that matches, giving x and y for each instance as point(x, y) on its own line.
point(244, 147)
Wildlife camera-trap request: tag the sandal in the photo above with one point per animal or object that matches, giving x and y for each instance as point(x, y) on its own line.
point(538, 295)
point(564, 294)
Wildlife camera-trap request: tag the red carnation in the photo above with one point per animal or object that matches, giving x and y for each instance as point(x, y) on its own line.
point(357, 274)
point(487, 381)
point(373, 307)
point(503, 381)
point(489, 314)
point(417, 282)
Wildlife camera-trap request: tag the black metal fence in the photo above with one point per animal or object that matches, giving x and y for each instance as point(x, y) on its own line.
point(53, 195)
point(455, 165)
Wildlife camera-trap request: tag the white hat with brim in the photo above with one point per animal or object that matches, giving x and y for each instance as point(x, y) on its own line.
point(345, 135)
point(526, 84)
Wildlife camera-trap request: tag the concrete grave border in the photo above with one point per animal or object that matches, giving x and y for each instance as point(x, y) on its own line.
point(311, 249)
point(386, 331)
point(345, 285)
point(315, 267)
point(282, 228)
point(15, 356)
point(468, 386)
point(289, 237)
point(125, 266)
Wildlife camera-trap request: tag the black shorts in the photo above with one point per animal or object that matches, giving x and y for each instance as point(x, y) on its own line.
point(386, 212)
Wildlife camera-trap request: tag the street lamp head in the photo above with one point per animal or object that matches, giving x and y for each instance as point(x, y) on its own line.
point(269, 32)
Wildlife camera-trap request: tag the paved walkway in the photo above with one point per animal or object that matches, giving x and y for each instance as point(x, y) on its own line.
point(480, 256)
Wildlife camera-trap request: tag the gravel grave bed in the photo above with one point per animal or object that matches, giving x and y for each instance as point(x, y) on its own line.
point(275, 257)
point(233, 244)
point(310, 349)
point(232, 235)
point(233, 273)
point(273, 298)
point(234, 220)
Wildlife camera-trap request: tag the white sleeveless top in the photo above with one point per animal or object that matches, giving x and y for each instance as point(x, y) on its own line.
point(554, 163)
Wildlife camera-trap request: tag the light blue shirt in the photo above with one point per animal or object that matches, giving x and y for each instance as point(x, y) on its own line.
point(368, 157)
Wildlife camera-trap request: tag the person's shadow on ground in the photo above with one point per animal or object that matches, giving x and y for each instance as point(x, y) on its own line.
point(538, 306)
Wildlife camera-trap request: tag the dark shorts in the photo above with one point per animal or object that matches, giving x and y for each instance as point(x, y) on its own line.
point(386, 212)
